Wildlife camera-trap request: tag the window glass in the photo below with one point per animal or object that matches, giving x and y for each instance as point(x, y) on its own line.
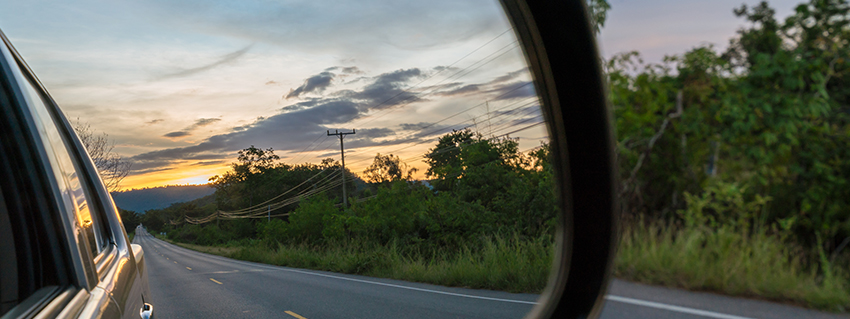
point(73, 190)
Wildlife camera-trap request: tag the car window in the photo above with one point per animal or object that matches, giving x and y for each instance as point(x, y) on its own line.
point(69, 174)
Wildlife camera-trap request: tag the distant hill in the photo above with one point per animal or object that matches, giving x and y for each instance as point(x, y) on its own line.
point(140, 200)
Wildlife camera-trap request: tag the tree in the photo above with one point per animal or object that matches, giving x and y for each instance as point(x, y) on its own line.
point(388, 168)
point(113, 168)
point(598, 10)
point(239, 186)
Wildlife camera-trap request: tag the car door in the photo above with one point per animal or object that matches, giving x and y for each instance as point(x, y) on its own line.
point(103, 274)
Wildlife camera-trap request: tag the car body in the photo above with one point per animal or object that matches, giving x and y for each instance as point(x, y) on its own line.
point(64, 252)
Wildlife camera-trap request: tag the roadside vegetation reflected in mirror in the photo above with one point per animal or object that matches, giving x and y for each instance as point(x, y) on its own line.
point(445, 177)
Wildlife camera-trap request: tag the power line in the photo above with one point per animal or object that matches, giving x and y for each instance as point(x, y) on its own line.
point(417, 95)
point(435, 74)
point(302, 153)
point(434, 131)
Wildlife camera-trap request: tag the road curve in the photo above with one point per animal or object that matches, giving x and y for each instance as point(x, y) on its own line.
point(189, 284)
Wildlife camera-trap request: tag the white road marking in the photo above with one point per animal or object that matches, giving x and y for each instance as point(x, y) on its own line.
point(659, 305)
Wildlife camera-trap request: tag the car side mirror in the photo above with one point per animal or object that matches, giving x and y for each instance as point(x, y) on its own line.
point(561, 50)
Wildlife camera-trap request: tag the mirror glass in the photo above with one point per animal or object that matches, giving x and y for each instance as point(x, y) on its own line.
point(390, 156)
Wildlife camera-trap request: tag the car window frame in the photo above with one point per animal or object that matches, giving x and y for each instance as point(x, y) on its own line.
point(111, 233)
point(35, 198)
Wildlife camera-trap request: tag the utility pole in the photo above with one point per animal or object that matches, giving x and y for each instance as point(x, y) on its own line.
point(342, 152)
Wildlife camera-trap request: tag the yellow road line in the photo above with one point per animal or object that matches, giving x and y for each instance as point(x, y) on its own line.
point(188, 268)
point(175, 262)
point(216, 281)
point(294, 314)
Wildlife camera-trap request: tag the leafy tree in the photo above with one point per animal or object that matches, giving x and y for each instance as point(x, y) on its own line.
point(388, 168)
point(598, 10)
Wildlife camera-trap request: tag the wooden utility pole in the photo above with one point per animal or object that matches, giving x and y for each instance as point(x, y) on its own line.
point(342, 152)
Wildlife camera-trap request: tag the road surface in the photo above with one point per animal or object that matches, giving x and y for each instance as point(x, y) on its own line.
point(190, 284)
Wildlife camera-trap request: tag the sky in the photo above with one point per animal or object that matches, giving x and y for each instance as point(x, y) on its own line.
point(181, 86)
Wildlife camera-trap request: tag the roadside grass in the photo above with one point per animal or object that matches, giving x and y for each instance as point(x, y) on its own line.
point(130, 235)
point(760, 265)
point(500, 263)
point(754, 265)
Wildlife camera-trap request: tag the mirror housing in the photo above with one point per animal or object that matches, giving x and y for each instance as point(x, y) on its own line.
point(560, 46)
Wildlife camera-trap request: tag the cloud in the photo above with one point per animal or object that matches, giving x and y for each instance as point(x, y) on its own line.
point(154, 121)
point(188, 130)
point(177, 134)
point(513, 90)
point(208, 163)
point(300, 123)
point(510, 76)
point(441, 68)
point(414, 126)
point(352, 70)
point(466, 89)
point(344, 29)
point(386, 90)
point(204, 122)
point(228, 58)
point(316, 83)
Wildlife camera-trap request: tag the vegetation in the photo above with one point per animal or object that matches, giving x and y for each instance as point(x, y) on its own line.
point(448, 235)
point(113, 168)
point(734, 169)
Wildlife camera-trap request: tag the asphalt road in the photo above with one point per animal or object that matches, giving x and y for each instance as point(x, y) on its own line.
point(190, 284)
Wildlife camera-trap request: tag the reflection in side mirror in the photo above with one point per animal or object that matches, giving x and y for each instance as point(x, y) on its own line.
point(440, 170)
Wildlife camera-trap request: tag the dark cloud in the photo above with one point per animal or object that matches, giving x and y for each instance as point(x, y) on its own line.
point(271, 82)
point(295, 126)
point(208, 163)
point(177, 134)
point(510, 76)
point(386, 90)
point(352, 70)
point(230, 57)
point(300, 123)
point(316, 83)
point(154, 121)
point(188, 130)
point(302, 105)
point(513, 90)
point(204, 122)
point(441, 68)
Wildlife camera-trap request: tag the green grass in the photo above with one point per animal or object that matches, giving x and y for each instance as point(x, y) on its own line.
point(500, 263)
point(755, 265)
point(760, 265)
point(131, 235)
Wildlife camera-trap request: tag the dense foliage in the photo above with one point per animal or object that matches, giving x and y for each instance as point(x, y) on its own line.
point(481, 187)
point(766, 120)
